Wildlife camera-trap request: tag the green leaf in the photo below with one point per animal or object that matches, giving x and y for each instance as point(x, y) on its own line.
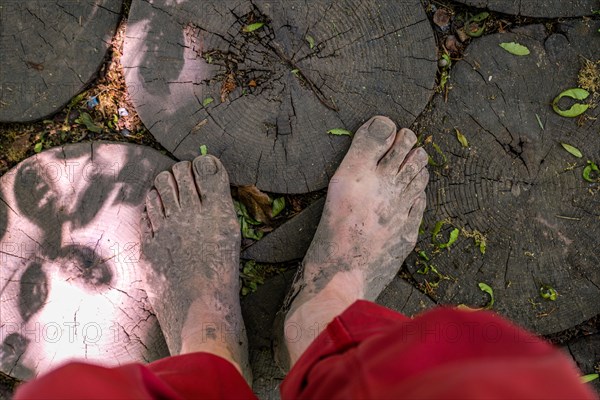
point(278, 206)
point(248, 232)
point(207, 101)
point(486, 288)
point(575, 111)
point(39, 146)
point(575, 93)
point(242, 212)
point(577, 108)
point(437, 229)
point(589, 378)
point(587, 171)
point(481, 16)
point(203, 150)
point(437, 149)
point(253, 27)
point(453, 237)
point(311, 41)
point(295, 71)
point(482, 246)
point(476, 21)
point(461, 138)
point(539, 121)
point(573, 150)
point(548, 293)
point(515, 48)
point(77, 99)
point(86, 120)
point(423, 255)
point(339, 131)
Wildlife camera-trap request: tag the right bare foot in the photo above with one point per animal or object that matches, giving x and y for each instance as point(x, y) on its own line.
point(370, 223)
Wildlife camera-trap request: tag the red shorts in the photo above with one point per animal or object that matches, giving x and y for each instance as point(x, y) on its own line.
point(367, 352)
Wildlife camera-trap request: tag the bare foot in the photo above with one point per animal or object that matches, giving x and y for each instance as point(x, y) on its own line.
point(370, 223)
point(191, 240)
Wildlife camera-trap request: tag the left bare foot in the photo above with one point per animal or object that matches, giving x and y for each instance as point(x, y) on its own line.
point(191, 239)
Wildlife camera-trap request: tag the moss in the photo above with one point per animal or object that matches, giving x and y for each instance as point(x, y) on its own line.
point(589, 75)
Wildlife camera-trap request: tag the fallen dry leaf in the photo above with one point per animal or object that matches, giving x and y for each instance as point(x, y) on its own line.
point(257, 203)
point(227, 87)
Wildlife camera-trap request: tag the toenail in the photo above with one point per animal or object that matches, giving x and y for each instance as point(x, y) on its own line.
point(152, 195)
point(205, 165)
point(381, 128)
point(163, 176)
point(421, 154)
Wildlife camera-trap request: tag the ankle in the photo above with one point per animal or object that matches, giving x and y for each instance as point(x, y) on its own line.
point(308, 318)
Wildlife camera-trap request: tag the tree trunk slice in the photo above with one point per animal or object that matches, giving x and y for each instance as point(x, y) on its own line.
point(515, 183)
point(586, 354)
point(50, 51)
point(538, 8)
point(70, 275)
point(291, 240)
point(263, 101)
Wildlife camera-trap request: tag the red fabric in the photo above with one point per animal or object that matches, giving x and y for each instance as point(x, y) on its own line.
point(367, 352)
point(189, 376)
point(372, 352)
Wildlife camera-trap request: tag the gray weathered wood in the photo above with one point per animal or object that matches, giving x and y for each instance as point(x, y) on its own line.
point(70, 282)
point(289, 241)
point(369, 57)
point(538, 8)
point(586, 354)
point(50, 51)
point(515, 183)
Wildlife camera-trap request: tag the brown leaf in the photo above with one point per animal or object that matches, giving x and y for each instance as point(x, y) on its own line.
point(227, 87)
point(257, 203)
point(442, 18)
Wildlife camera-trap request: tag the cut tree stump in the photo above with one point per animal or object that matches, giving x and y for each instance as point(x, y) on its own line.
point(538, 8)
point(291, 240)
point(514, 183)
point(263, 97)
point(70, 270)
point(586, 354)
point(50, 51)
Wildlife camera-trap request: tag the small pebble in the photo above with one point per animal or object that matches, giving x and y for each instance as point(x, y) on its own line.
point(125, 132)
point(123, 112)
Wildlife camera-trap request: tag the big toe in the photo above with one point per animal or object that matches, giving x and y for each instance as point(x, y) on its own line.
point(212, 182)
point(371, 142)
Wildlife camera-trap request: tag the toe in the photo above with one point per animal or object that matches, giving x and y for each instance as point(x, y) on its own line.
point(212, 182)
point(154, 213)
point(393, 159)
point(415, 215)
point(416, 187)
point(167, 189)
point(188, 194)
point(413, 163)
point(371, 142)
